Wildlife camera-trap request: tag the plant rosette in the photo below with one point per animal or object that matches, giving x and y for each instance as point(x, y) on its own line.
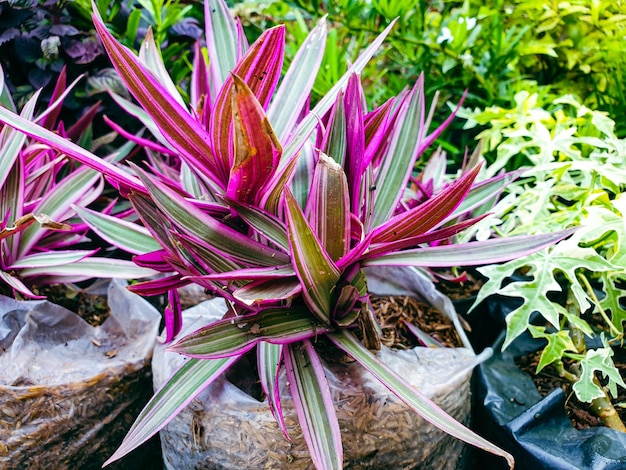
point(277, 208)
point(509, 410)
point(69, 390)
point(225, 427)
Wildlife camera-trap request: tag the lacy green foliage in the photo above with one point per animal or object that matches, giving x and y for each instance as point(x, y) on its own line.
point(599, 360)
point(577, 179)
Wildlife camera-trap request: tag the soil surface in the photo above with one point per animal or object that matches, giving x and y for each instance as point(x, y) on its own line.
point(464, 286)
point(92, 308)
point(395, 311)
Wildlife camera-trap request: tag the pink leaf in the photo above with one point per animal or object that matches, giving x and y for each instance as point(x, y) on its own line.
point(260, 68)
point(257, 150)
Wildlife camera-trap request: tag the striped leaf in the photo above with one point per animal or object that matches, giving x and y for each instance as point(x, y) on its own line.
point(183, 132)
point(221, 40)
point(234, 336)
point(295, 87)
point(495, 250)
point(260, 69)
point(314, 405)
point(424, 217)
point(314, 267)
point(182, 387)
point(269, 359)
point(126, 235)
point(256, 148)
point(329, 207)
point(200, 225)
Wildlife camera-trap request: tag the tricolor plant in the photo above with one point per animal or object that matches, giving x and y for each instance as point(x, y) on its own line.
point(39, 191)
point(277, 208)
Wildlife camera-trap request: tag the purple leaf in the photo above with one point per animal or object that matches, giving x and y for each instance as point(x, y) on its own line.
point(260, 69)
point(153, 260)
point(355, 140)
point(257, 150)
point(183, 132)
point(158, 286)
point(424, 217)
point(172, 316)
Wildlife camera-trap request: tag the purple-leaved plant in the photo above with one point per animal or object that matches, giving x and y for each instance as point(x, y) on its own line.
point(39, 191)
point(277, 209)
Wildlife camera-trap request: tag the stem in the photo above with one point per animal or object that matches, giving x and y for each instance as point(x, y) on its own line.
point(604, 409)
point(595, 300)
point(564, 373)
point(601, 407)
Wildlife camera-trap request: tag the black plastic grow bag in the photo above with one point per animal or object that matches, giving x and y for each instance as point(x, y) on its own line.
point(509, 411)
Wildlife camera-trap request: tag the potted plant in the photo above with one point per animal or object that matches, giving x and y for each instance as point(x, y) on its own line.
point(61, 377)
point(278, 210)
point(569, 298)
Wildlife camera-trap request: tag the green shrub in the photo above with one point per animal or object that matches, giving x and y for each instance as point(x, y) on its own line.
point(494, 51)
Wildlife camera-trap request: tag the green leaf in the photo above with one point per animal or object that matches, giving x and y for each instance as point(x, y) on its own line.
point(121, 233)
point(314, 405)
point(566, 257)
point(597, 360)
point(611, 300)
point(558, 343)
point(314, 267)
point(186, 383)
point(412, 397)
point(233, 336)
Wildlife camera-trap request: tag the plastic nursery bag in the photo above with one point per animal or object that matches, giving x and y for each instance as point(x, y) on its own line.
point(225, 428)
point(70, 391)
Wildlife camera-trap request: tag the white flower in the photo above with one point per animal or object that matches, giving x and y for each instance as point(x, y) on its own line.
point(445, 35)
